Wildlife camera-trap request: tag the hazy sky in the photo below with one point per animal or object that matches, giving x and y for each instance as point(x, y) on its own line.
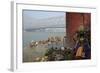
point(33, 18)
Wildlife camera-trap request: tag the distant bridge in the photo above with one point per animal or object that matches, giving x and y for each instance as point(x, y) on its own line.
point(42, 28)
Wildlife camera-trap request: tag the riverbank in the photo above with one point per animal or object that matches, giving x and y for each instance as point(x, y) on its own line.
point(38, 49)
point(30, 54)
